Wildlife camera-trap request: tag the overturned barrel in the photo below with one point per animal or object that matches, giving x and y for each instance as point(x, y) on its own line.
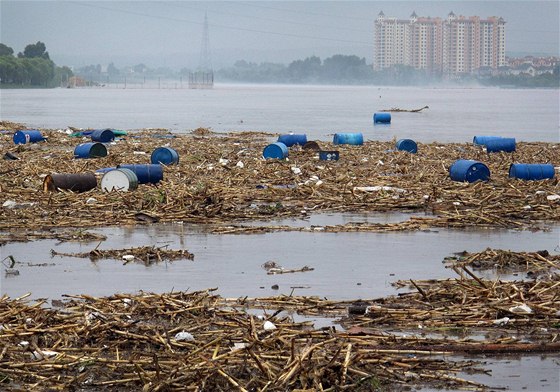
point(90, 150)
point(505, 144)
point(348, 138)
point(291, 139)
point(102, 136)
point(164, 156)
point(407, 145)
point(531, 171)
point(482, 140)
point(122, 179)
point(146, 174)
point(382, 118)
point(28, 136)
point(75, 182)
point(276, 150)
point(469, 171)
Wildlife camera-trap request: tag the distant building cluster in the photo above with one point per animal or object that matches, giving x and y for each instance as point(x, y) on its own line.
point(528, 65)
point(454, 46)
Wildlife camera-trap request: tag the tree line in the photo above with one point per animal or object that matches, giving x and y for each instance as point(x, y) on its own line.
point(30, 68)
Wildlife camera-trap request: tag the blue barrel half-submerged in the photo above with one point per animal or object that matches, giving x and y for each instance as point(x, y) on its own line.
point(146, 173)
point(469, 171)
point(291, 139)
point(348, 138)
point(276, 150)
point(28, 136)
point(102, 136)
point(531, 171)
point(90, 150)
point(382, 118)
point(164, 156)
point(407, 145)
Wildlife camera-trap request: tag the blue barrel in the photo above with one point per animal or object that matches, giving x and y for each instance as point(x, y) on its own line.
point(105, 170)
point(382, 118)
point(290, 139)
point(348, 138)
point(506, 144)
point(531, 171)
point(165, 156)
point(90, 150)
point(329, 155)
point(147, 174)
point(482, 140)
point(469, 170)
point(102, 135)
point(276, 150)
point(407, 145)
point(29, 136)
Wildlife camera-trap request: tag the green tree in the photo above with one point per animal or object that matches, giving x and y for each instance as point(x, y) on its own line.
point(6, 50)
point(35, 50)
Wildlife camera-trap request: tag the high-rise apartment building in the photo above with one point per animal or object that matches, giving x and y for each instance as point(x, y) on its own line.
point(455, 45)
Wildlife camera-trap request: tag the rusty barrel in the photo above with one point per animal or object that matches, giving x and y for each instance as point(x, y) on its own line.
point(75, 182)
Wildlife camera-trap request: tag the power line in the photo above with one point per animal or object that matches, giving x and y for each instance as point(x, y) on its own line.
point(224, 26)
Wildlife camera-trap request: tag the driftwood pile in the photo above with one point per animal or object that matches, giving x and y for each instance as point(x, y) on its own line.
point(223, 177)
point(147, 254)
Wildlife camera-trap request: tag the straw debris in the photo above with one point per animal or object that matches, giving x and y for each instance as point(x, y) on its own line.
point(223, 177)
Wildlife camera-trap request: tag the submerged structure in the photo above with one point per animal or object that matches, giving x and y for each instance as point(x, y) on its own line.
point(203, 77)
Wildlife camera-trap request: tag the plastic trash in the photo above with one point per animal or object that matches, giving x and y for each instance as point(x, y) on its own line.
point(184, 336)
point(521, 309)
point(268, 326)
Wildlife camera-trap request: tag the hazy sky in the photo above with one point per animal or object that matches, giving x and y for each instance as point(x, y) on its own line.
point(169, 33)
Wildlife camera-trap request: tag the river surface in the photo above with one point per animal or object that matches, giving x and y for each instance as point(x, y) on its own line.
point(345, 265)
point(454, 114)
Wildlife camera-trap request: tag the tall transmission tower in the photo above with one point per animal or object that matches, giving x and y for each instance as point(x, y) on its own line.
point(203, 78)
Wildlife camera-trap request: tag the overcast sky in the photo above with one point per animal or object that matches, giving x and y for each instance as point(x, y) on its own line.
point(169, 33)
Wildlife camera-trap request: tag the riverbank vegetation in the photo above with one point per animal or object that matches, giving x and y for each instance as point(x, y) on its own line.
point(30, 68)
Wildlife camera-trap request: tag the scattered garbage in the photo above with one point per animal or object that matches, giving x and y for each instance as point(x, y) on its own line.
point(269, 326)
point(521, 309)
point(329, 155)
point(184, 336)
point(10, 157)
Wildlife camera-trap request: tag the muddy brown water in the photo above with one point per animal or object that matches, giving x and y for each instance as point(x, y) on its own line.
point(346, 266)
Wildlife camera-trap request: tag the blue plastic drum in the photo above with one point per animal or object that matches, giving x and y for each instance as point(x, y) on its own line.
point(146, 174)
point(29, 136)
point(165, 156)
point(276, 150)
point(291, 139)
point(382, 118)
point(90, 150)
point(102, 135)
point(407, 145)
point(348, 138)
point(469, 171)
point(531, 171)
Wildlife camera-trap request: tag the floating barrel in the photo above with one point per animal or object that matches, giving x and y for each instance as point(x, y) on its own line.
point(90, 150)
point(146, 174)
point(469, 170)
point(329, 155)
point(407, 145)
point(119, 180)
point(382, 118)
point(102, 135)
point(291, 139)
point(276, 150)
point(482, 140)
point(75, 182)
point(29, 136)
point(531, 171)
point(348, 138)
point(506, 144)
point(165, 156)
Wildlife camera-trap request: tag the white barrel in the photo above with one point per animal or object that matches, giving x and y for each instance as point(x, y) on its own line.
point(123, 180)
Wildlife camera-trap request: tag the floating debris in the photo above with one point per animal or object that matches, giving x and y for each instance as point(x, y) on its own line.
point(147, 254)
